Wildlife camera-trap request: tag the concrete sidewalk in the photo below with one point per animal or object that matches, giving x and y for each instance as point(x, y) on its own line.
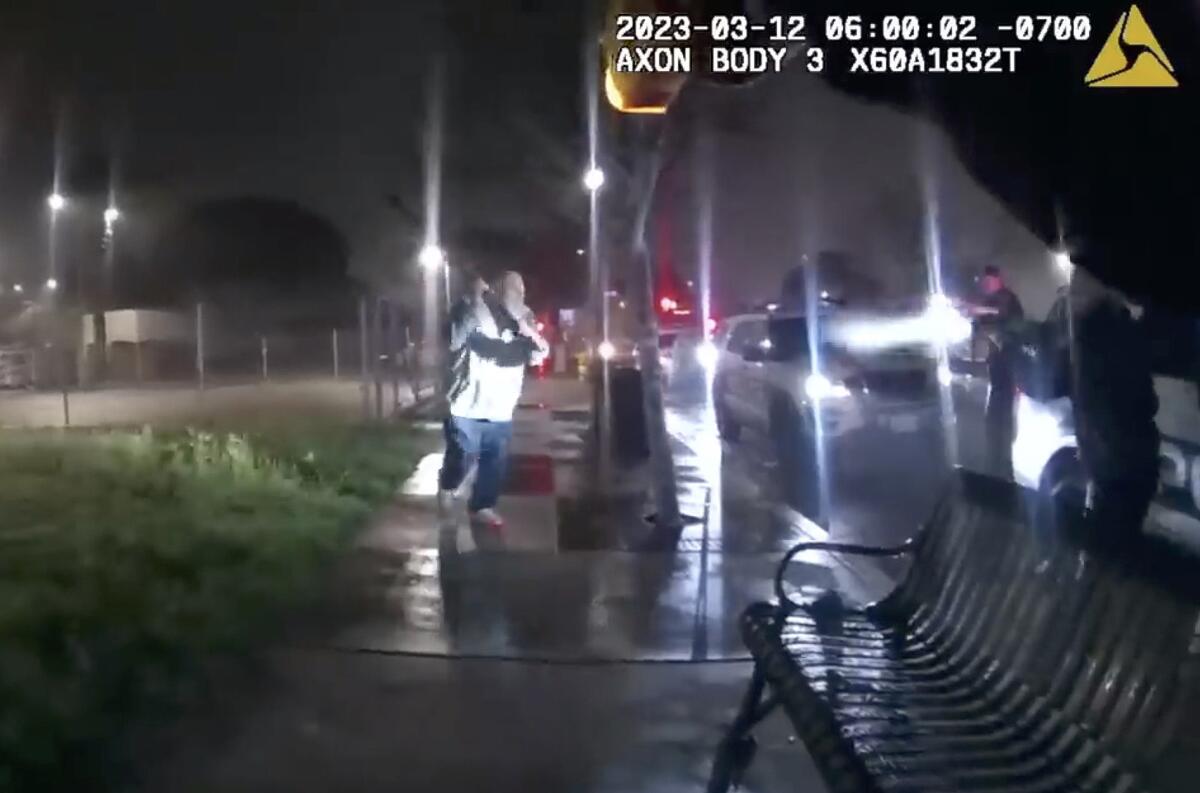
point(321, 721)
point(576, 575)
point(566, 654)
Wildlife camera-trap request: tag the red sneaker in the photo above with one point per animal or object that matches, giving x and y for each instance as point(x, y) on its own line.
point(487, 519)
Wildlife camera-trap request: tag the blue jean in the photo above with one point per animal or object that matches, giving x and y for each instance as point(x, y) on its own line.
point(469, 440)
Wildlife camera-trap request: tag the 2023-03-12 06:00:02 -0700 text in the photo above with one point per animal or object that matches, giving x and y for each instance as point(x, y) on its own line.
point(736, 43)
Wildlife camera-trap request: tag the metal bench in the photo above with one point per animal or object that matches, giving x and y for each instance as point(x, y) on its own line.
point(1012, 657)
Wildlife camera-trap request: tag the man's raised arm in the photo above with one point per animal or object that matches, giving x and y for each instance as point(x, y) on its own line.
point(463, 322)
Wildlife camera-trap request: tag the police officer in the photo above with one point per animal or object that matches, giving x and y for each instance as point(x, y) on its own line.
point(998, 316)
point(1113, 398)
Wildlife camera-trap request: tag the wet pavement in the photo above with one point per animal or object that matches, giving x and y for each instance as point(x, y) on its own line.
point(326, 722)
point(580, 649)
point(578, 573)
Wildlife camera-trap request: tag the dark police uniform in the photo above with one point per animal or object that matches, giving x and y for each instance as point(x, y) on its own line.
point(1114, 403)
point(1000, 420)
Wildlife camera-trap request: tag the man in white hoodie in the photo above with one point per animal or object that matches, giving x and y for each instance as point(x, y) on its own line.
point(492, 340)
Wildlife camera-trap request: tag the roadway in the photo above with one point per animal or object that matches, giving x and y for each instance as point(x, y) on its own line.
point(880, 485)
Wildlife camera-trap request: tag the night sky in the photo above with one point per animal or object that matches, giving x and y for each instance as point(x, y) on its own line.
point(320, 103)
point(325, 105)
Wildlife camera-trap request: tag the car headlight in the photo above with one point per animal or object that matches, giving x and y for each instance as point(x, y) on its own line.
point(818, 387)
point(945, 324)
point(706, 354)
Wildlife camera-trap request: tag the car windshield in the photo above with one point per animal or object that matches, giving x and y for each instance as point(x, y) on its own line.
point(789, 337)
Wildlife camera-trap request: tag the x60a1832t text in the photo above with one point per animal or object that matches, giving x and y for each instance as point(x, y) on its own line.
point(933, 60)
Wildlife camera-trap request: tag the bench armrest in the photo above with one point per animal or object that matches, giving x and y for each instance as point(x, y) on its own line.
point(832, 547)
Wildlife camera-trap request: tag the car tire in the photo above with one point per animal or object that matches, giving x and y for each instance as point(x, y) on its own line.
point(796, 454)
point(727, 426)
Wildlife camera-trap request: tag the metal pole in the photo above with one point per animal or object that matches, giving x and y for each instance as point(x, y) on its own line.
point(599, 294)
point(335, 354)
point(599, 282)
point(447, 268)
point(394, 352)
point(662, 464)
point(200, 346)
point(376, 348)
point(62, 375)
point(263, 353)
point(364, 387)
point(412, 354)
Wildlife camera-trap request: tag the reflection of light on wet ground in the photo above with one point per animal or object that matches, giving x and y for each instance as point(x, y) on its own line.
point(424, 480)
point(415, 594)
point(815, 352)
point(696, 442)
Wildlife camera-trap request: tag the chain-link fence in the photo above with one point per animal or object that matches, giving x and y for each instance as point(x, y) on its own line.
point(124, 366)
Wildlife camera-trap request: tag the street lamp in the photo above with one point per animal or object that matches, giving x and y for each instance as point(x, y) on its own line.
point(593, 179)
point(111, 216)
point(431, 257)
point(56, 202)
point(52, 284)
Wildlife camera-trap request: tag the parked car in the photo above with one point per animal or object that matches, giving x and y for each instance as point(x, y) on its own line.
point(767, 380)
point(689, 359)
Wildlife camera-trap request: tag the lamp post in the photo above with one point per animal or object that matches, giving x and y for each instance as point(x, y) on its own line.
point(106, 298)
point(593, 180)
point(57, 203)
point(111, 216)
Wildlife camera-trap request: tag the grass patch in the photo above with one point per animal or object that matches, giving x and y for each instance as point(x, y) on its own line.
point(129, 558)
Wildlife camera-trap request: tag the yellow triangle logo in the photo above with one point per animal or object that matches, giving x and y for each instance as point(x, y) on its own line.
point(1131, 57)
